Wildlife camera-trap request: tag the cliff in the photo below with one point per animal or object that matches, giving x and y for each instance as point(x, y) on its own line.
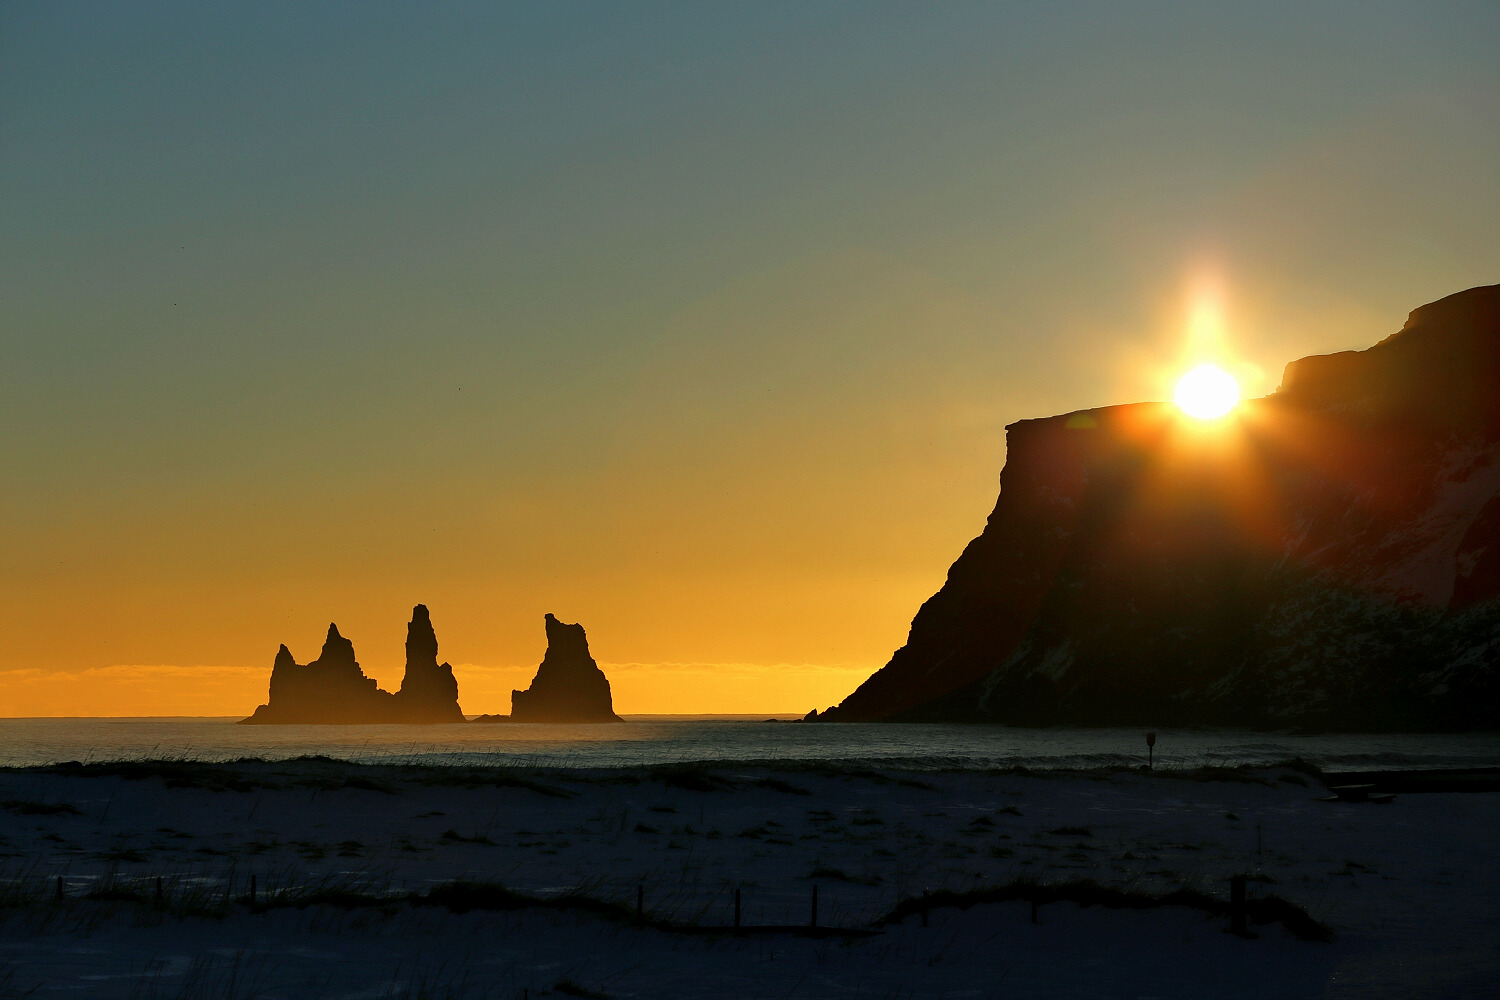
point(568, 687)
point(1325, 557)
point(333, 688)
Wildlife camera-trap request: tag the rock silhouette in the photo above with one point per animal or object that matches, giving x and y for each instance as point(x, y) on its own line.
point(568, 687)
point(333, 688)
point(1328, 557)
point(429, 691)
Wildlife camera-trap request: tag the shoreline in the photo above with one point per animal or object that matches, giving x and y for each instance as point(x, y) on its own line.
point(648, 741)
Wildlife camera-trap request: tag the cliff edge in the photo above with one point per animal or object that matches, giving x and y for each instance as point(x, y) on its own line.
point(1327, 557)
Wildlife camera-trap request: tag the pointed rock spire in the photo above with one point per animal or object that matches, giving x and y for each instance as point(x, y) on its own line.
point(336, 649)
point(429, 691)
point(421, 640)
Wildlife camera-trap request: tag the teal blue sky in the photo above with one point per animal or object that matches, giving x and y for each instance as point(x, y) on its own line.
point(698, 323)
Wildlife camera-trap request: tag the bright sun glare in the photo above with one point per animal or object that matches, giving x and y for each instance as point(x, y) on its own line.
point(1206, 392)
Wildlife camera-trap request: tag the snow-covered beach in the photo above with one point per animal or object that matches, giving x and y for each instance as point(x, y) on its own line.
point(354, 870)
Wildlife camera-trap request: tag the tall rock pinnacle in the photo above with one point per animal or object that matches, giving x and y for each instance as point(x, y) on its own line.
point(421, 640)
point(429, 691)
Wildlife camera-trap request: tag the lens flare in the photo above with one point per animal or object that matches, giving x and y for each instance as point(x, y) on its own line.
point(1206, 392)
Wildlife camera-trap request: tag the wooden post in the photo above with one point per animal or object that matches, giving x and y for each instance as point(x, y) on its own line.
point(736, 909)
point(1150, 750)
point(814, 921)
point(1237, 905)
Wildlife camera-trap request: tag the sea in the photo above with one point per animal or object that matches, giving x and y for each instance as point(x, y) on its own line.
point(646, 740)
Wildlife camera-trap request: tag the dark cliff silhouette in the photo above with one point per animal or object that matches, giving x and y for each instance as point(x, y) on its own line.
point(568, 687)
point(1325, 557)
point(333, 688)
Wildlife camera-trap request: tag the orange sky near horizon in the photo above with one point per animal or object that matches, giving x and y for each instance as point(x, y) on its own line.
point(697, 325)
point(638, 689)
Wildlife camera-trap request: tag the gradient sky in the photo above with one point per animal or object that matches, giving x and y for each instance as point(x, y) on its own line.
point(699, 324)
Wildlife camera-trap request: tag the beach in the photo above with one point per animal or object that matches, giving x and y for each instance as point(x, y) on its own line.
point(134, 879)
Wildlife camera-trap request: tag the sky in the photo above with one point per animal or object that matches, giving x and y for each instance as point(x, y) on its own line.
point(698, 324)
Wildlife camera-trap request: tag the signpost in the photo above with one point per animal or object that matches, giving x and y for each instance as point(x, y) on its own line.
point(1150, 750)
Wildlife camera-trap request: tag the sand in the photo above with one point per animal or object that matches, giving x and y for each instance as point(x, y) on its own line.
point(351, 861)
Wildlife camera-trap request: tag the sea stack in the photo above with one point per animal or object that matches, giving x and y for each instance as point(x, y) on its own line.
point(429, 691)
point(334, 690)
point(331, 688)
point(569, 686)
point(1324, 558)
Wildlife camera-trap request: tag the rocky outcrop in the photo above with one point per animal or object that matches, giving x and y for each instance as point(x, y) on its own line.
point(429, 691)
point(568, 687)
point(333, 688)
point(1327, 557)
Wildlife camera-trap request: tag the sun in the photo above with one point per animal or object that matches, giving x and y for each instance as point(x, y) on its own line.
point(1206, 392)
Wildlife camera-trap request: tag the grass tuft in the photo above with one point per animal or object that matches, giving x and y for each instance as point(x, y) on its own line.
point(692, 779)
point(454, 837)
point(172, 773)
point(21, 807)
point(1086, 892)
point(777, 785)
